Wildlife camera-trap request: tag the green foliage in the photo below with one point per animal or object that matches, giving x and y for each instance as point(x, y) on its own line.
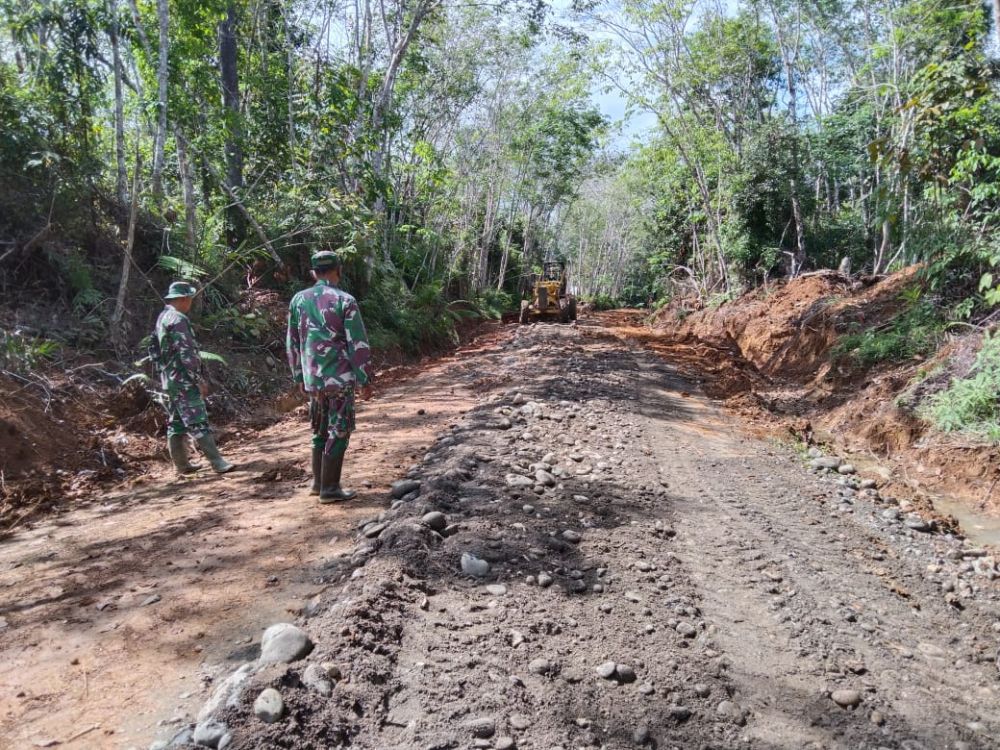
point(719, 299)
point(490, 304)
point(251, 327)
point(916, 331)
point(21, 352)
point(180, 268)
point(971, 404)
point(85, 298)
point(603, 301)
point(414, 320)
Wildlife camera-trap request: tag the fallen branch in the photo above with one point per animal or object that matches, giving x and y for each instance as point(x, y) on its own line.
point(40, 236)
point(82, 732)
point(39, 382)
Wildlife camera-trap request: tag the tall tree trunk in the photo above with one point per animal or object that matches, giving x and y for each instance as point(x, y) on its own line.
point(121, 179)
point(383, 98)
point(884, 248)
point(504, 259)
point(528, 245)
point(159, 143)
point(996, 19)
point(236, 229)
point(187, 186)
point(141, 30)
point(290, 73)
point(402, 44)
point(789, 57)
point(800, 235)
point(119, 330)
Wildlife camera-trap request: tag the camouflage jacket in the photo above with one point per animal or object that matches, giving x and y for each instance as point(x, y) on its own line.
point(179, 361)
point(327, 344)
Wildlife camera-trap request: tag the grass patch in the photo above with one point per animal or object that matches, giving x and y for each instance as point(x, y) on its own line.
point(914, 332)
point(971, 404)
point(718, 300)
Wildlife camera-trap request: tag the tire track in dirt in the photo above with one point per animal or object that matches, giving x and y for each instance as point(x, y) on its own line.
point(813, 594)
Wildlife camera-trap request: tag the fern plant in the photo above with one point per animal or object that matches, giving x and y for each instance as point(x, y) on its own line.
point(971, 404)
point(20, 352)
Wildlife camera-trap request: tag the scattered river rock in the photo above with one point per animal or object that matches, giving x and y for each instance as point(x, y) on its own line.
point(404, 487)
point(846, 698)
point(474, 566)
point(269, 706)
point(284, 643)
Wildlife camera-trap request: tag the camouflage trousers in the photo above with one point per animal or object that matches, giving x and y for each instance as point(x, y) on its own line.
point(186, 411)
point(332, 416)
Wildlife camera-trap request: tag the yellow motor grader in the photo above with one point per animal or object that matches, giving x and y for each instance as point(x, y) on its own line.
point(549, 299)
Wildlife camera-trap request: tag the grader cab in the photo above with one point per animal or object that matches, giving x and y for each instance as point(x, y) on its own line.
point(549, 299)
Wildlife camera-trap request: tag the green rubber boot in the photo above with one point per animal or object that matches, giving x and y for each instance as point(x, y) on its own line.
point(177, 447)
point(219, 464)
point(330, 490)
point(317, 470)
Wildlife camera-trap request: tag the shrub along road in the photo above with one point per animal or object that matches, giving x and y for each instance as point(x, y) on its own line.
point(596, 557)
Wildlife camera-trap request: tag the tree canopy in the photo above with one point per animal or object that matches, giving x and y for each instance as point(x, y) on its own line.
point(448, 149)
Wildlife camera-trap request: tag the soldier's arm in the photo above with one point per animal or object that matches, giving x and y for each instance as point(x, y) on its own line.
point(187, 351)
point(359, 353)
point(293, 345)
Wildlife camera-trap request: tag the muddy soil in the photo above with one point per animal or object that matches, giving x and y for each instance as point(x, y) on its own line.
point(657, 577)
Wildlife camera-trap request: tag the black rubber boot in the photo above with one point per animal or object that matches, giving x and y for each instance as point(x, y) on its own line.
point(177, 447)
point(317, 470)
point(330, 489)
point(345, 493)
point(219, 464)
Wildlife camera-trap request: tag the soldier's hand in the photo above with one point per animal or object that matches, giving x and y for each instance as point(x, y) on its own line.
point(203, 389)
point(303, 391)
point(367, 392)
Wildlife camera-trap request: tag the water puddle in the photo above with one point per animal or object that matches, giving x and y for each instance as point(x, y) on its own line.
point(980, 528)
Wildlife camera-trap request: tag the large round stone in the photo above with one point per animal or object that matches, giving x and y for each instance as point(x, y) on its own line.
point(284, 643)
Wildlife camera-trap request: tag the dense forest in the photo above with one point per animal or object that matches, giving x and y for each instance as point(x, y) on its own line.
point(449, 148)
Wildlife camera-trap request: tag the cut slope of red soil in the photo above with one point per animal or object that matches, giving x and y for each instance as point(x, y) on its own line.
point(768, 355)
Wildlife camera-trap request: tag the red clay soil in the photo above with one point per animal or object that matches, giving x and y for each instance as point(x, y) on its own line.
point(57, 441)
point(767, 356)
point(65, 434)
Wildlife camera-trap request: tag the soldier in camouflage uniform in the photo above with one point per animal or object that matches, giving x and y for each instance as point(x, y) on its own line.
point(329, 355)
point(179, 365)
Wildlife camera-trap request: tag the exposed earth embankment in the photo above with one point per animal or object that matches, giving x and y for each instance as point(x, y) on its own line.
point(777, 357)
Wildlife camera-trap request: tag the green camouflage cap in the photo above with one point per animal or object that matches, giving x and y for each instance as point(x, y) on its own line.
point(180, 289)
point(325, 260)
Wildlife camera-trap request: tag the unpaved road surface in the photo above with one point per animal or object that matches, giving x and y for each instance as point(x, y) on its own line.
point(656, 578)
point(115, 617)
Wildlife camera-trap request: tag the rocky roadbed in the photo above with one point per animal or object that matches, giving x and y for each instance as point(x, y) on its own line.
point(597, 558)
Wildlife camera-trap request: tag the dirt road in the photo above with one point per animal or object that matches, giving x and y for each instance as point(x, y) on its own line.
point(655, 577)
point(115, 617)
